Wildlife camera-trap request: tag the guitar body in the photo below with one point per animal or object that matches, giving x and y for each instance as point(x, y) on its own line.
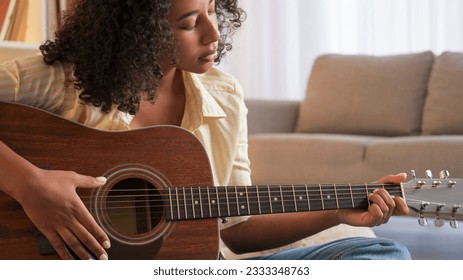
point(147, 160)
point(160, 202)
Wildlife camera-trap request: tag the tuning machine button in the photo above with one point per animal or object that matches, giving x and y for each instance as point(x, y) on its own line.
point(438, 222)
point(422, 221)
point(454, 223)
point(444, 174)
point(413, 172)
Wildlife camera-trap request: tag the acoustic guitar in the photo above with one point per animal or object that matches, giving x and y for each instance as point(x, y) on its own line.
point(159, 201)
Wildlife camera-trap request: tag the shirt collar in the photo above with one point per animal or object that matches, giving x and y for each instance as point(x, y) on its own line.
point(199, 102)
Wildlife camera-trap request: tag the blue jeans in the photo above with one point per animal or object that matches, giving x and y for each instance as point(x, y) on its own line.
point(355, 248)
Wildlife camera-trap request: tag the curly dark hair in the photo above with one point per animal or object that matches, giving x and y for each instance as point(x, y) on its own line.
point(115, 45)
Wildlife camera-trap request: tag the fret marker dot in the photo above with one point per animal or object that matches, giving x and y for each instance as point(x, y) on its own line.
point(196, 202)
point(213, 201)
point(328, 196)
point(242, 207)
point(300, 198)
point(275, 199)
point(241, 194)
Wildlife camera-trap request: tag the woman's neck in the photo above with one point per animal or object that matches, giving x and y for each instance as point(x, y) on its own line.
point(169, 105)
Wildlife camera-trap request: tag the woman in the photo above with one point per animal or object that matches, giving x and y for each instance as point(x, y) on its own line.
point(119, 65)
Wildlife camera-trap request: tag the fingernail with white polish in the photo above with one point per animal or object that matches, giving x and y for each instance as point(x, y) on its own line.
point(103, 257)
point(106, 244)
point(101, 179)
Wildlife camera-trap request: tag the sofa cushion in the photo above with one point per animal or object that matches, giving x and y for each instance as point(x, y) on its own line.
point(271, 116)
point(302, 158)
point(419, 153)
point(366, 95)
point(442, 111)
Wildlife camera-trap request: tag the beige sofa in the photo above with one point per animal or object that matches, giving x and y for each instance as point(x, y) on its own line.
point(363, 117)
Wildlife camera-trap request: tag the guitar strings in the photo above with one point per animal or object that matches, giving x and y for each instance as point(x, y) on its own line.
point(183, 202)
point(313, 195)
point(138, 219)
point(159, 210)
point(240, 191)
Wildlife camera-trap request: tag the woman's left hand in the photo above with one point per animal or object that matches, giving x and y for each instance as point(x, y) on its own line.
point(382, 206)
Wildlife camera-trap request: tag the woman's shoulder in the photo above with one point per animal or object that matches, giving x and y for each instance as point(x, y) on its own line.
point(216, 79)
point(34, 64)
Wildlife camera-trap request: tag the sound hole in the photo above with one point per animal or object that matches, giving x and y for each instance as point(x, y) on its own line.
point(134, 206)
point(129, 207)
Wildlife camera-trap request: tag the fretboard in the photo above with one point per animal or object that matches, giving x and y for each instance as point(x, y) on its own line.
point(220, 202)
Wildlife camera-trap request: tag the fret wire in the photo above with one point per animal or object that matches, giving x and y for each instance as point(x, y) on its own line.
point(351, 196)
point(336, 195)
point(308, 197)
point(294, 196)
point(321, 196)
point(184, 200)
point(228, 201)
point(282, 199)
point(178, 204)
point(171, 207)
point(193, 203)
point(366, 189)
point(200, 203)
point(247, 200)
point(270, 198)
point(218, 201)
point(258, 199)
point(209, 201)
point(237, 201)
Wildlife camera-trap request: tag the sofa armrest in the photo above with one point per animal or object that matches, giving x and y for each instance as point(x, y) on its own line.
point(272, 116)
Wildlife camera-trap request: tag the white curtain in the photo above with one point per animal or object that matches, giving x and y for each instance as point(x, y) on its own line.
point(274, 51)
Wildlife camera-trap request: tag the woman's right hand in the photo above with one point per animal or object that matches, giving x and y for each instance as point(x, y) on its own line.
point(51, 202)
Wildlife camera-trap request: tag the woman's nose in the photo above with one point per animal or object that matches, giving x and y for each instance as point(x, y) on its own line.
point(212, 33)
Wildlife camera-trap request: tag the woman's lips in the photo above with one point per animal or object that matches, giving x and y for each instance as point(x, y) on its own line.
point(210, 56)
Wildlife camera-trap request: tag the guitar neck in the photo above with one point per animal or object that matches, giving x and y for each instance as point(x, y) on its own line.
point(220, 202)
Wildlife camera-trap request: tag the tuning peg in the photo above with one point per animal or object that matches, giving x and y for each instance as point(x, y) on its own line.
point(438, 222)
point(453, 221)
point(423, 221)
point(413, 174)
point(428, 174)
point(444, 174)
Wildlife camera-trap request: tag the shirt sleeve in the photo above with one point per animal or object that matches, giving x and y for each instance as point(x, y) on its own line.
point(28, 80)
point(241, 171)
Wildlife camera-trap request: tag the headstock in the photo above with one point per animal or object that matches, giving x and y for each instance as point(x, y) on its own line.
point(440, 198)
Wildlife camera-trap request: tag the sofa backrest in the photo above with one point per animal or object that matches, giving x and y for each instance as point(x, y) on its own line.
point(443, 110)
point(366, 95)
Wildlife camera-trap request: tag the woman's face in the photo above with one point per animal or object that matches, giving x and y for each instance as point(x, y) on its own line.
point(194, 25)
